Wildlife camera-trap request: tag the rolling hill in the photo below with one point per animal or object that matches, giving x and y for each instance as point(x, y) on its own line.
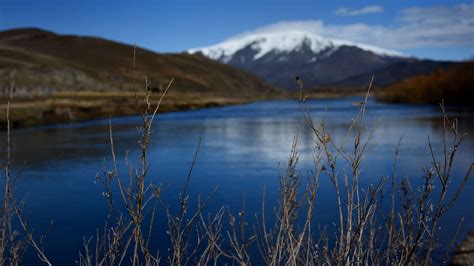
point(51, 78)
point(34, 59)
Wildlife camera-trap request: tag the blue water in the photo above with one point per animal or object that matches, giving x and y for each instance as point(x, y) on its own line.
point(241, 149)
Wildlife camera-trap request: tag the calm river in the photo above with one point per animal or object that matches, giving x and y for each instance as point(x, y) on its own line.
point(241, 149)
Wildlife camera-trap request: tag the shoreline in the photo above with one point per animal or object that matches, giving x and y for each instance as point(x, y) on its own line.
point(65, 109)
point(68, 107)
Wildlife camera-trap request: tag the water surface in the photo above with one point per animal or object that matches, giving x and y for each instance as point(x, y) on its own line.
point(242, 148)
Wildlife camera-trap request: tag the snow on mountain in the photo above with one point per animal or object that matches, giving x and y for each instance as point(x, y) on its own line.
point(281, 42)
point(278, 56)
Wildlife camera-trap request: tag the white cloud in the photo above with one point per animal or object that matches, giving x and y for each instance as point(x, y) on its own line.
point(357, 12)
point(415, 27)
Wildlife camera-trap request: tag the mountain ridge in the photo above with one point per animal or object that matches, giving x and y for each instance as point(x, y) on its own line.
point(277, 57)
point(283, 42)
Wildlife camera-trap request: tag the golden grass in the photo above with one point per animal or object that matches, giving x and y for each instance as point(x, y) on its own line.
point(69, 106)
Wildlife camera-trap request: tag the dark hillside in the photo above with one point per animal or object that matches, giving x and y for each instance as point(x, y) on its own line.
point(33, 58)
point(51, 78)
point(455, 85)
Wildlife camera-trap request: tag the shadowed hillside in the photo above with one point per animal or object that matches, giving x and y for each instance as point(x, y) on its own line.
point(33, 58)
point(455, 85)
point(51, 78)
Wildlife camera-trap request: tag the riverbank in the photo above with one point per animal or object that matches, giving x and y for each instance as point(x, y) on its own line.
point(464, 253)
point(67, 107)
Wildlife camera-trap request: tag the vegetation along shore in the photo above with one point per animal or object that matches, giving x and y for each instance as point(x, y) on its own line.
point(454, 84)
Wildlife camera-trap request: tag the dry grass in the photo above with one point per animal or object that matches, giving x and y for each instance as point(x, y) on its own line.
point(366, 233)
point(69, 106)
point(16, 234)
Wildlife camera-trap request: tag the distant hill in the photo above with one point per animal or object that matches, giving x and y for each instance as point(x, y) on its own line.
point(454, 84)
point(49, 78)
point(38, 60)
point(277, 57)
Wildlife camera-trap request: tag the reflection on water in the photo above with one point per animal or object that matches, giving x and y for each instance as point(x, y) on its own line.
point(241, 149)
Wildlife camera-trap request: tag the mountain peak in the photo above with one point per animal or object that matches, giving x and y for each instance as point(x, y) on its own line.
point(278, 56)
point(264, 43)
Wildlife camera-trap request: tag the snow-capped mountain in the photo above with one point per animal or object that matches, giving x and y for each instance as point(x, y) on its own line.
point(281, 42)
point(277, 57)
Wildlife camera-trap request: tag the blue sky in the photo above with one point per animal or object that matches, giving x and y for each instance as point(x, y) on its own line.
point(428, 29)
